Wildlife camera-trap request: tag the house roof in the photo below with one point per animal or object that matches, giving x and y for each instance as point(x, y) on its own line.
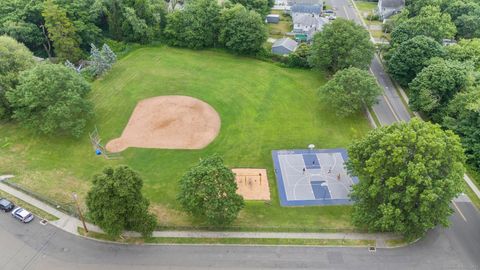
point(287, 43)
point(391, 3)
point(307, 2)
point(305, 19)
point(306, 8)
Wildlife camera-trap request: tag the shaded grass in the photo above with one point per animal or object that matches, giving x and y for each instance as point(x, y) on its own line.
point(231, 241)
point(262, 107)
point(34, 210)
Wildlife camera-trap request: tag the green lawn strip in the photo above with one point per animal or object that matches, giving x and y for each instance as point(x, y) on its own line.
point(473, 197)
point(231, 241)
point(365, 6)
point(263, 107)
point(374, 116)
point(397, 242)
point(34, 210)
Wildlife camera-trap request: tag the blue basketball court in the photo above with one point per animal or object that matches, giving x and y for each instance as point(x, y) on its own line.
point(312, 177)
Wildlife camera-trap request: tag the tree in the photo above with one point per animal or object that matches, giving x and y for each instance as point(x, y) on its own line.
point(61, 32)
point(410, 57)
point(51, 99)
point(299, 58)
point(430, 22)
point(463, 118)
point(208, 190)
point(242, 31)
point(466, 50)
point(101, 61)
point(409, 173)
point(350, 91)
point(436, 85)
point(135, 20)
point(415, 6)
point(262, 7)
point(468, 25)
point(340, 45)
point(115, 202)
point(196, 26)
point(15, 57)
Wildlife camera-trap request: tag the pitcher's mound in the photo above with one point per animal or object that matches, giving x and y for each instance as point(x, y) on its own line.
point(169, 122)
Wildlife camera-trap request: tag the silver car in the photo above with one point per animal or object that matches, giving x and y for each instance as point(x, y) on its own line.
point(22, 215)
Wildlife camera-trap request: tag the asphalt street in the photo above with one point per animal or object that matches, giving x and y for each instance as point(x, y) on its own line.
point(389, 108)
point(34, 246)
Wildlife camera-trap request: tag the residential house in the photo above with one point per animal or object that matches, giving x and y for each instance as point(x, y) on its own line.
point(306, 8)
point(307, 24)
point(284, 46)
point(387, 8)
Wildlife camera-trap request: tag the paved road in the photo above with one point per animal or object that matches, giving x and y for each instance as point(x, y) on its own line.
point(389, 108)
point(37, 247)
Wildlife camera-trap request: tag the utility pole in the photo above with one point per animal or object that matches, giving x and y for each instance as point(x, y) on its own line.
point(74, 195)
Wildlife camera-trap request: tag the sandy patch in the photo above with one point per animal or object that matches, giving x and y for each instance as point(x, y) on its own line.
point(252, 184)
point(169, 122)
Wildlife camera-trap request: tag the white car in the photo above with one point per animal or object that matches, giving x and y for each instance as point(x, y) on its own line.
point(22, 215)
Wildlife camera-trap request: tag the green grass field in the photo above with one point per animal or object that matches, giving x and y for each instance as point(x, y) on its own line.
point(262, 106)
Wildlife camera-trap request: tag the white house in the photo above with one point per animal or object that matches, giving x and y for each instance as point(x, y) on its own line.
point(387, 8)
point(308, 24)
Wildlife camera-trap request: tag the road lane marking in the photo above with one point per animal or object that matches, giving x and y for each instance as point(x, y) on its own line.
point(460, 212)
point(346, 13)
point(385, 98)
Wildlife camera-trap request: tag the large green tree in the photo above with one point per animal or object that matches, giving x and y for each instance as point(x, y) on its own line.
point(208, 190)
point(342, 44)
point(410, 57)
point(466, 50)
point(409, 173)
point(51, 99)
point(415, 6)
point(14, 58)
point(115, 202)
point(242, 31)
point(196, 26)
point(61, 32)
point(431, 22)
point(436, 85)
point(262, 7)
point(135, 20)
point(350, 91)
point(463, 118)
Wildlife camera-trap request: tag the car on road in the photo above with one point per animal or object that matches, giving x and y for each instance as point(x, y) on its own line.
point(6, 205)
point(22, 215)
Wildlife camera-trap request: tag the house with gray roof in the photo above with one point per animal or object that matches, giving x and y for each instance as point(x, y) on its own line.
point(307, 24)
point(284, 46)
point(306, 8)
point(387, 8)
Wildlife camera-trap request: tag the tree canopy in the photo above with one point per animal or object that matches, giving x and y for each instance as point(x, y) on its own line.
point(409, 173)
point(61, 32)
point(262, 7)
point(410, 57)
point(436, 85)
point(342, 44)
point(15, 57)
point(242, 31)
point(196, 26)
point(115, 202)
point(51, 99)
point(350, 91)
point(208, 190)
point(463, 118)
point(466, 50)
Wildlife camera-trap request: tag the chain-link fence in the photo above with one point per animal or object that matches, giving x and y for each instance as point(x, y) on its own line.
point(67, 208)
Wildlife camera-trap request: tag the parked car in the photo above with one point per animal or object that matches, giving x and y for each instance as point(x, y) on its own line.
point(6, 205)
point(22, 215)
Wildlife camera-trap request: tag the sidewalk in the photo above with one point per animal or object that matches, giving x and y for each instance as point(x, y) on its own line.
point(71, 224)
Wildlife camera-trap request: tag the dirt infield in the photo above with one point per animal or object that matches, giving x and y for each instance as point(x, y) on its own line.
point(252, 184)
point(169, 122)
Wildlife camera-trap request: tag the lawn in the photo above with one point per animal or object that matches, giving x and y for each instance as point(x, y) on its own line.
point(280, 29)
point(262, 107)
point(366, 7)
